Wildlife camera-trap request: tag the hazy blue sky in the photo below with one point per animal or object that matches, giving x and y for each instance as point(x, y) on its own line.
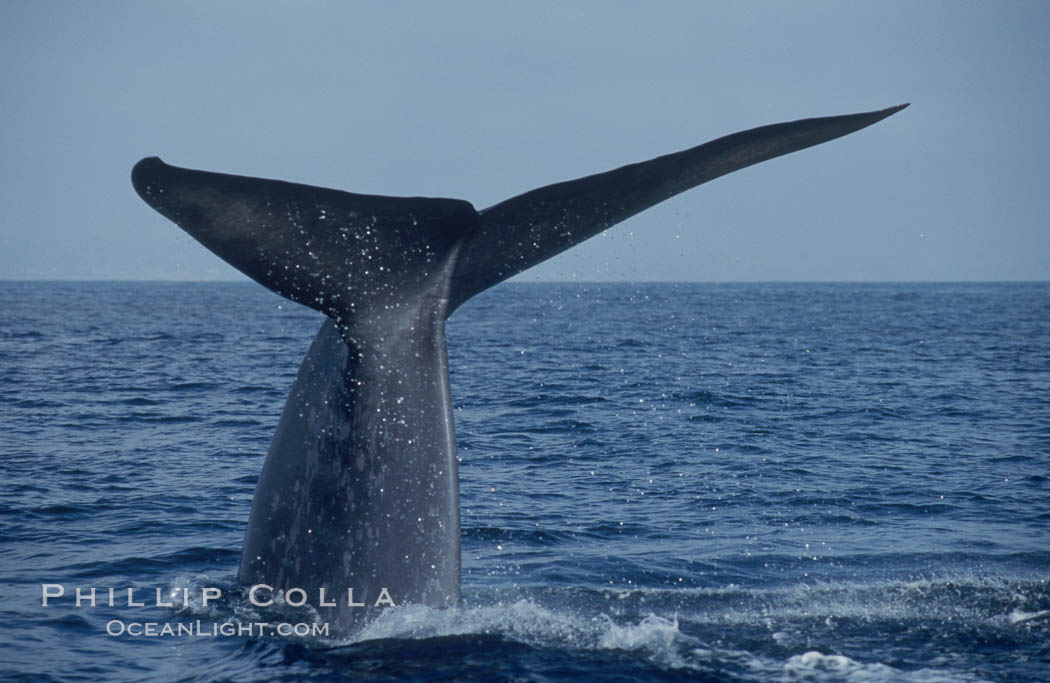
point(483, 100)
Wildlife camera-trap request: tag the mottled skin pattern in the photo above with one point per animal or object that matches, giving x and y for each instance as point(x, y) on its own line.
point(360, 487)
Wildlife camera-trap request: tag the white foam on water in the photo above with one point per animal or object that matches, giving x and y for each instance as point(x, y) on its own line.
point(528, 622)
point(657, 636)
point(816, 666)
point(1019, 617)
point(523, 620)
point(651, 632)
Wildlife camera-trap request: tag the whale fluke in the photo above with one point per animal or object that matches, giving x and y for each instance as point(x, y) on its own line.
point(359, 490)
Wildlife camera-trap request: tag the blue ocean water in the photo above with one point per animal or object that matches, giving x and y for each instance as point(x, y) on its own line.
point(754, 482)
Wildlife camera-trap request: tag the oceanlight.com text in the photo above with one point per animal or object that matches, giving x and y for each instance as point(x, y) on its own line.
point(256, 629)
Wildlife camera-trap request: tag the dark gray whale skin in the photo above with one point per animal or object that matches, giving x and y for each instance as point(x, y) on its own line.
point(360, 486)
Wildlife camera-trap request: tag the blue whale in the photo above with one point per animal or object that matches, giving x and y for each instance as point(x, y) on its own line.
point(357, 505)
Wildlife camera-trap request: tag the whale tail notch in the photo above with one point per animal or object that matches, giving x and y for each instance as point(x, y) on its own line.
point(346, 254)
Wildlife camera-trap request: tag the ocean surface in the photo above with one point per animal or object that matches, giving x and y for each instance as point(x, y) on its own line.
point(742, 482)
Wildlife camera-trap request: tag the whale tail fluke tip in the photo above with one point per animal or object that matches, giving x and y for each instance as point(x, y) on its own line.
point(142, 173)
point(890, 111)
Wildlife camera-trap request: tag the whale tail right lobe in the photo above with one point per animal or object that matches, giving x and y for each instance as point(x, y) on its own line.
point(522, 231)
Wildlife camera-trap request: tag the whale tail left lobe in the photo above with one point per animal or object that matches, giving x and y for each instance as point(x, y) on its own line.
point(347, 255)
